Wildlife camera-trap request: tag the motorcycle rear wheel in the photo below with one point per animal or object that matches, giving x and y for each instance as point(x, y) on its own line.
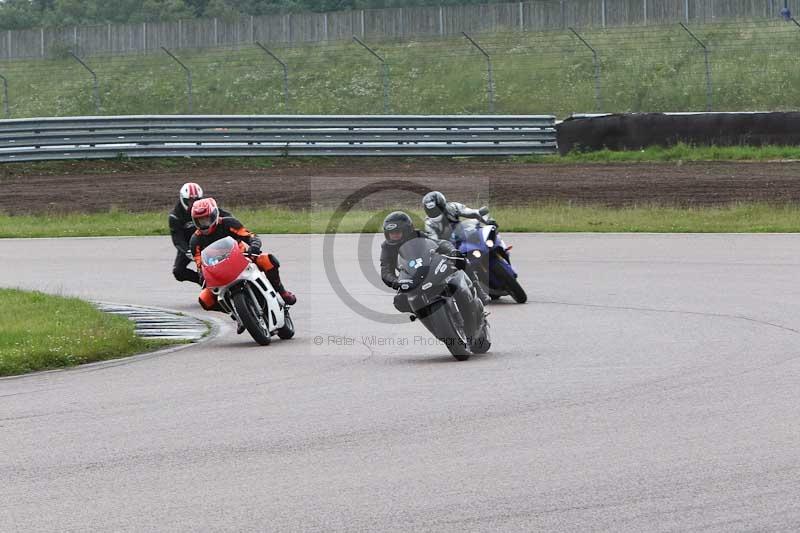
point(287, 331)
point(482, 342)
point(246, 312)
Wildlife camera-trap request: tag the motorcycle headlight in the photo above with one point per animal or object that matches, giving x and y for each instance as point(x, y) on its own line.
point(490, 243)
point(476, 254)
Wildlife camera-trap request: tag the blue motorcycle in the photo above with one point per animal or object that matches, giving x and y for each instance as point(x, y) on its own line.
point(489, 259)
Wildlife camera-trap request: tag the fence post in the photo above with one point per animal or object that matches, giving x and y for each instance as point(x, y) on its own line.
point(708, 67)
point(490, 86)
point(384, 69)
point(686, 10)
point(5, 96)
point(603, 13)
point(188, 77)
point(644, 8)
point(95, 88)
point(285, 75)
point(597, 98)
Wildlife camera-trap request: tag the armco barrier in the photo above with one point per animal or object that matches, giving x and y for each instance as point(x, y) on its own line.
point(640, 130)
point(42, 139)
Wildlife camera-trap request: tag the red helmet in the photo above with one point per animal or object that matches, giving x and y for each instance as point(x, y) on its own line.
point(205, 215)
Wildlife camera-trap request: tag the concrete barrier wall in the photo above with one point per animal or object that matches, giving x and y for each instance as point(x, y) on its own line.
point(640, 130)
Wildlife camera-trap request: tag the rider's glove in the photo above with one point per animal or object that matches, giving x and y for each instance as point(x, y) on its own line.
point(460, 259)
point(491, 222)
point(483, 211)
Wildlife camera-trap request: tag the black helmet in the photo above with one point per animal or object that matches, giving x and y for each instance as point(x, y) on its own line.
point(434, 203)
point(400, 225)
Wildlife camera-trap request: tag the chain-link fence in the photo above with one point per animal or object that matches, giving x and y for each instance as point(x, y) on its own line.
point(722, 67)
point(378, 24)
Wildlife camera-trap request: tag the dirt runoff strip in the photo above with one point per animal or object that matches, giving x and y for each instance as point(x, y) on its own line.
point(326, 183)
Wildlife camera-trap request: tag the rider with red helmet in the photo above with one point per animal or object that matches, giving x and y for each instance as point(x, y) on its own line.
point(211, 227)
point(181, 229)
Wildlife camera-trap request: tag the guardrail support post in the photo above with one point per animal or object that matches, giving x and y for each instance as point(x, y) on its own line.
point(598, 102)
point(490, 72)
point(188, 77)
point(709, 92)
point(95, 88)
point(285, 75)
point(5, 96)
point(384, 70)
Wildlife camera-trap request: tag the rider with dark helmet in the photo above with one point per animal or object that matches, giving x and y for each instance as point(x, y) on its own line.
point(398, 228)
point(181, 229)
point(442, 216)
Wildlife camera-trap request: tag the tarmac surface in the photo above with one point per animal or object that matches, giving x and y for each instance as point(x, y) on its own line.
point(651, 383)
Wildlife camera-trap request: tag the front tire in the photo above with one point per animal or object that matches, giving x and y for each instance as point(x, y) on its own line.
point(440, 323)
point(505, 279)
point(249, 313)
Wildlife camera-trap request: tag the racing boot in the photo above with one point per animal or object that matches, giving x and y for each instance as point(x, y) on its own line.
point(275, 279)
point(270, 265)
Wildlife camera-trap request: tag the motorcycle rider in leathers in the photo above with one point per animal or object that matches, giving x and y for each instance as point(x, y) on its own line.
point(398, 228)
point(211, 228)
point(181, 229)
point(442, 216)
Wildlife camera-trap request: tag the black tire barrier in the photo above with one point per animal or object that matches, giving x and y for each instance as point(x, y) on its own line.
point(639, 130)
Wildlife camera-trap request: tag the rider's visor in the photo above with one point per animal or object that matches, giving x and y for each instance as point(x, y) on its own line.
point(203, 222)
point(395, 236)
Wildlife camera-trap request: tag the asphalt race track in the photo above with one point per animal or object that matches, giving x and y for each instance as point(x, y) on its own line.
point(652, 383)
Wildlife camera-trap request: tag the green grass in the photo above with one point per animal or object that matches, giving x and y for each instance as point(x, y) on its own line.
point(41, 332)
point(654, 68)
point(744, 218)
point(654, 154)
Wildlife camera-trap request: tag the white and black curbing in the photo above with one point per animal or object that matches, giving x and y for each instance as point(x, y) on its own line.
point(154, 323)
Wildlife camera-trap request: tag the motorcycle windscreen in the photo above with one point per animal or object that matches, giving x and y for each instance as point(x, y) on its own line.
point(468, 232)
point(223, 262)
point(414, 258)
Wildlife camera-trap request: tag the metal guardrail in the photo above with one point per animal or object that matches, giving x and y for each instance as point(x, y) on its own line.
point(44, 139)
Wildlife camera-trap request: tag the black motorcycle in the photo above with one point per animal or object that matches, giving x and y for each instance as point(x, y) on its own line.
point(443, 298)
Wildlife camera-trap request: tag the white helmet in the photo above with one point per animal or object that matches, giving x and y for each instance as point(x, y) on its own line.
point(190, 192)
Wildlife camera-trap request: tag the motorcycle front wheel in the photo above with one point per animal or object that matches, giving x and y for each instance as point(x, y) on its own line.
point(252, 318)
point(441, 324)
point(505, 279)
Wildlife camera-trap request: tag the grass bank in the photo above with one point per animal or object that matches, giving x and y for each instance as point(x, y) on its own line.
point(41, 332)
point(740, 218)
point(653, 68)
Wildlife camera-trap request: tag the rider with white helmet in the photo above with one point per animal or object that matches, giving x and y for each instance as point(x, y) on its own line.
point(181, 229)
